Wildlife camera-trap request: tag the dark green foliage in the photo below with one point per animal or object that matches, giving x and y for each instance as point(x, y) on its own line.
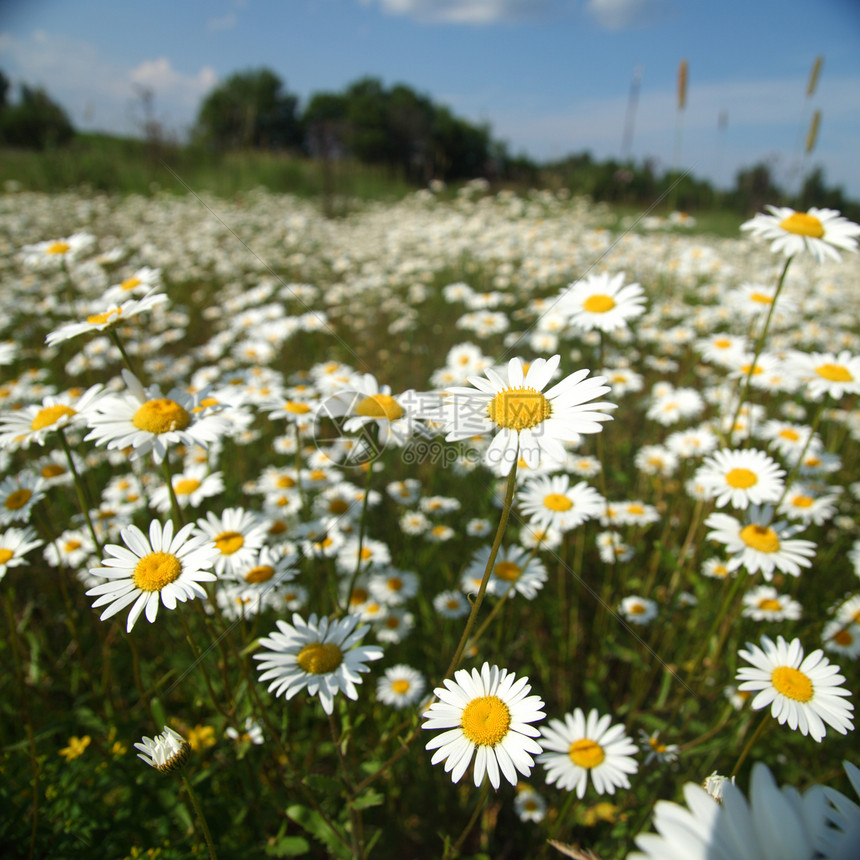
point(35, 121)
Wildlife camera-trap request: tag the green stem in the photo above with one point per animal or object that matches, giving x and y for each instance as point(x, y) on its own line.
point(80, 489)
point(361, 530)
point(118, 343)
point(759, 347)
point(494, 551)
point(201, 819)
point(176, 511)
point(452, 850)
point(765, 722)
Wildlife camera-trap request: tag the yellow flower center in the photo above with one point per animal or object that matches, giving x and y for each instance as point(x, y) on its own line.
point(843, 637)
point(761, 298)
point(161, 416)
point(586, 753)
point(156, 570)
point(722, 343)
point(635, 509)
point(741, 479)
point(53, 470)
point(486, 720)
point(792, 683)
point(103, 318)
point(598, 304)
point(400, 686)
point(508, 571)
point(394, 583)
point(261, 573)
point(789, 434)
point(50, 415)
point(229, 542)
point(380, 406)
point(205, 403)
point(319, 658)
point(803, 224)
point(130, 283)
point(285, 481)
point(17, 499)
point(557, 502)
point(637, 609)
point(519, 408)
point(58, 248)
point(761, 538)
point(186, 486)
point(338, 506)
point(5, 555)
point(769, 604)
point(296, 408)
point(834, 373)
point(802, 501)
point(72, 545)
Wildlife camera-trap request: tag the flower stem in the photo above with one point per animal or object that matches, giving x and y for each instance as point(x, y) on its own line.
point(80, 489)
point(762, 726)
point(500, 532)
point(201, 819)
point(452, 850)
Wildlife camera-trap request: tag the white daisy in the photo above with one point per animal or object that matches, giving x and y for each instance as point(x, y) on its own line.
point(551, 502)
point(827, 373)
point(238, 536)
point(18, 496)
point(741, 478)
point(322, 656)
point(166, 752)
point(525, 422)
point(485, 714)
point(818, 231)
point(105, 316)
point(162, 568)
point(400, 686)
point(516, 570)
point(638, 610)
point(14, 545)
point(451, 604)
point(192, 485)
point(760, 545)
point(802, 503)
point(805, 693)
point(145, 420)
point(602, 302)
point(587, 745)
point(841, 637)
point(766, 604)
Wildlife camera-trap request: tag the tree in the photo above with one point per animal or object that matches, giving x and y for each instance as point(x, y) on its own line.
point(251, 109)
point(35, 122)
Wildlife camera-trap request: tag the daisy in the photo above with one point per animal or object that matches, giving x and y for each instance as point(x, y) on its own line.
point(393, 586)
point(145, 420)
point(322, 656)
point(759, 545)
point(451, 604)
point(161, 568)
point(741, 478)
point(842, 637)
point(238, 536)
point(827, 373)
point(32, 424)
point(765, 604)
point(166, 752)
point(143, 281)
point(551, 502)
point(525, 422)
point(529, 805)
point(773, 823)
point(654, 750)
point(54, 253)
point(400, 686)
point(72, 549)
point(252, 732)
point(818, 231)
point(365, 403)
point(14, 545)
point(803, 504)
point(805, 693)
point(192, 485)
point(516, 570)
point(638, 610)
point(584, 745)
point(18, 495)
point(485, 714)
point(395, 626)
point(103, 317)
point(602, 302)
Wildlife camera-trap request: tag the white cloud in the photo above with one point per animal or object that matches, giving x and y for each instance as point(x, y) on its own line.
point(99, 94)
point(465, 11)
point(621, 14)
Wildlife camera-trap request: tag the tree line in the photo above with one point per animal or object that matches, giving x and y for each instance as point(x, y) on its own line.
point(420, 140)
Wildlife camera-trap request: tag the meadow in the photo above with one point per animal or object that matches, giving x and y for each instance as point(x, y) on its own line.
point(269, 479)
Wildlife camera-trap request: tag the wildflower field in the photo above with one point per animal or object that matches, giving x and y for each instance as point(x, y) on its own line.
point(475, 525)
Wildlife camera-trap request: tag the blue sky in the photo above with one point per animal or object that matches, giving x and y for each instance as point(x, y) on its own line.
point(550, 76)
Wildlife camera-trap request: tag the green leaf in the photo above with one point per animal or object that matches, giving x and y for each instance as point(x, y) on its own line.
point(289, 846)
point(311, 821)
point(367, 799)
